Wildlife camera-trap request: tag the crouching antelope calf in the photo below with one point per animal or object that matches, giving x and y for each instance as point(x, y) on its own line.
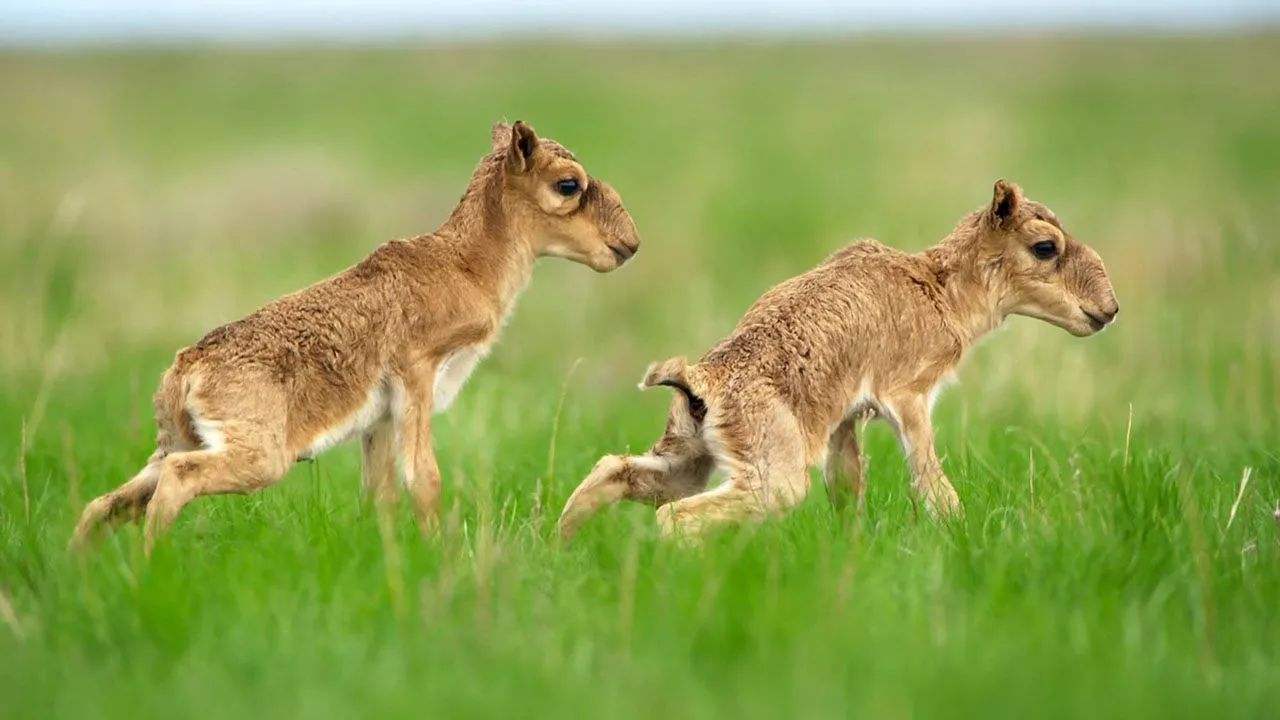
point(872, 331)
point(373, 351)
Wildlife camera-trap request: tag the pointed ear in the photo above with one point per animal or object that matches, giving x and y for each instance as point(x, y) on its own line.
point(520, 150)
point(499, 136)
point(1005, 201)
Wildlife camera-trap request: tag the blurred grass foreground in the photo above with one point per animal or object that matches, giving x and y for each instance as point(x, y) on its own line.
point(1112, 563)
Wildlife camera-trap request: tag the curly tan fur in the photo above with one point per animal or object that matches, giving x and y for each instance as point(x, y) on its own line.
point(872, 331)
point(374, 351)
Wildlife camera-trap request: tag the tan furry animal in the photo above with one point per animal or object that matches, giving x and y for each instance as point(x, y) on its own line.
point(872, 331)
point(373, 351)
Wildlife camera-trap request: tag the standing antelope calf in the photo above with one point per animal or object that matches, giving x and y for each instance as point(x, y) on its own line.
point(872, 331)
point(373, 351)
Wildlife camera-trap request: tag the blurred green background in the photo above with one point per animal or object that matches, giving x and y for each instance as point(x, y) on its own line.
point(147, 196)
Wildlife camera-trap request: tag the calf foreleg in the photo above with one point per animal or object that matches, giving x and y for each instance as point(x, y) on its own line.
point(910, 416)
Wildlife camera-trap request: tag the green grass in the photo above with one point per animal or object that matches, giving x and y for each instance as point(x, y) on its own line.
point(146, 197)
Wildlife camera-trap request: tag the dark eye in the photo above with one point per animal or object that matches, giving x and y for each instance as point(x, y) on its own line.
point(567, 187)
point(1044, 250)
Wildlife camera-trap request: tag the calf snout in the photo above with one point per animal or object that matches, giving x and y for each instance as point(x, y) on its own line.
point(623, 250)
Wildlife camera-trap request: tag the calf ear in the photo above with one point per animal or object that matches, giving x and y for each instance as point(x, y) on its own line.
point(499, 136)
point(520, 150)
point(1005, 201)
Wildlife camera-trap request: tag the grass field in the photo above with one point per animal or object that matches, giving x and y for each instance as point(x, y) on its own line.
point(148, 196)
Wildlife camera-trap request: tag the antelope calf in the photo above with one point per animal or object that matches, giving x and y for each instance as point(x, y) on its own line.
point(373, 351)
point(872, 331)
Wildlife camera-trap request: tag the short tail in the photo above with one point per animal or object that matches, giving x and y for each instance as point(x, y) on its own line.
point(673, 373)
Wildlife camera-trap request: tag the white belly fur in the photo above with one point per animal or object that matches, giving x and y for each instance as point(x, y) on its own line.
point(383, 399)
point(453, 373)
point(375, 408)
point(866, 399)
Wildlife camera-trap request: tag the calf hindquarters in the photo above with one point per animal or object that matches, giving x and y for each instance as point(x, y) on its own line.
point(763, 450)
point(677, 466)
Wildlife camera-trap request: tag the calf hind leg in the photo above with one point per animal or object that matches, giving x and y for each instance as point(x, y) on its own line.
point(746, 496)
point(187, 475)
point(655, 478)
point(678, 465)
point(127, 502)
point(767, 476)
point(844, 472)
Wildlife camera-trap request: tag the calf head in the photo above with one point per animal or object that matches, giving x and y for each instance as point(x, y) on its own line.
point(1040, 270)
point(560, 209)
